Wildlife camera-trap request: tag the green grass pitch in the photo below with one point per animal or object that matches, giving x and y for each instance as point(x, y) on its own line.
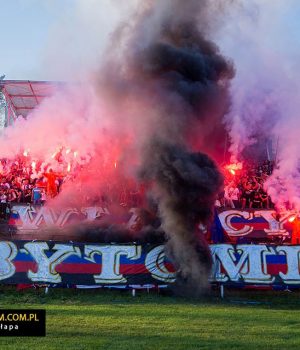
point(106, 319)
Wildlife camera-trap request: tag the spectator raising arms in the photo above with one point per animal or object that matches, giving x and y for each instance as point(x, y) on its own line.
point(246, 190)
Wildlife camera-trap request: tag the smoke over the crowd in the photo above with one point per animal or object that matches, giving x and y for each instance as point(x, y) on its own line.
point(160, 93)
point(262, 38)
point(181, 80)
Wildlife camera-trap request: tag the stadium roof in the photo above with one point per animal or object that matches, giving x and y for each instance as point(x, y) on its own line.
point(25, 95)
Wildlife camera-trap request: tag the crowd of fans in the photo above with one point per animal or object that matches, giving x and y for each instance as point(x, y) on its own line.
point(18, 186)
point(21, 183)
point(245, 188)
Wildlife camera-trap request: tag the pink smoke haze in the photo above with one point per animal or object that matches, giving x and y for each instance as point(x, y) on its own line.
point(262, 38)
point(104, 126)
point(76, 126)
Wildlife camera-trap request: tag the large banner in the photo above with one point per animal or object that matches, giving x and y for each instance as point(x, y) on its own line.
point(134, 265)
point(256, 264)
point(251, 225)
point(230, 225)
point(84, 264)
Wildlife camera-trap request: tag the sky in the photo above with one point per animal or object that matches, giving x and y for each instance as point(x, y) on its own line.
point(55, 39)
point(25, 27)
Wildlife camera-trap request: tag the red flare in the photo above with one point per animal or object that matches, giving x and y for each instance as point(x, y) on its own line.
point(234, 166)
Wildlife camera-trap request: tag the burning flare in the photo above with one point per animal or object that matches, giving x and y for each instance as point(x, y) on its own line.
point(232, 168)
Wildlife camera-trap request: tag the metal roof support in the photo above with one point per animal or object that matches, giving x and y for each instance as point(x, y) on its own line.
point(36, 100)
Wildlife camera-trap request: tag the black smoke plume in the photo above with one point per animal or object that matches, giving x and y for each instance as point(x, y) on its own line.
point(178, 80)
point(186, 185)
